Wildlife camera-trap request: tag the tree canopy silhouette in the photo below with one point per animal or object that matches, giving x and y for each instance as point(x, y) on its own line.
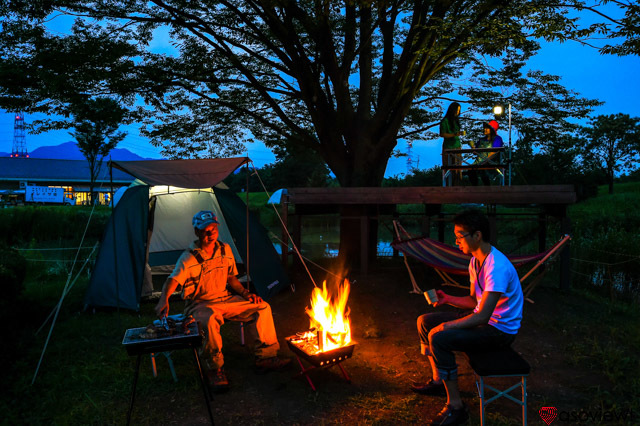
point(344, 79)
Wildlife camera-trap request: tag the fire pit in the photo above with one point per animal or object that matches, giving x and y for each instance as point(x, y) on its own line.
point(328, 342)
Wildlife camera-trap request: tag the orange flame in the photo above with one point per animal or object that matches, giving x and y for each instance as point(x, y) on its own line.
point(330, 316)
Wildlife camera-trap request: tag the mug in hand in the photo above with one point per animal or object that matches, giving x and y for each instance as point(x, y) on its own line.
point(431, 296)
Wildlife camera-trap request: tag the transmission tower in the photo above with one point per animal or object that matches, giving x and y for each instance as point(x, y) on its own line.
point(409, 162)
point(19, 141)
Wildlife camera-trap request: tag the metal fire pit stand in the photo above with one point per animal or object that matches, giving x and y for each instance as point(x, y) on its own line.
point(137, 346)
point(320, 360)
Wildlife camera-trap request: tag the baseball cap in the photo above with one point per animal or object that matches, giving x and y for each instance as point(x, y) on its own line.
point(493, 124)
point(204, 218)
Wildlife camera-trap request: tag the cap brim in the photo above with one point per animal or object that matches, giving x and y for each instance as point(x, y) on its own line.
point(207, 223)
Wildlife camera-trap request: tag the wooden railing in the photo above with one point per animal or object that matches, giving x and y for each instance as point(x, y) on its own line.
point(495, 161)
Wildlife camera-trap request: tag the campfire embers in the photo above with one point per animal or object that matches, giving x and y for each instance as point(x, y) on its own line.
point(328, 342)
point(307, 348)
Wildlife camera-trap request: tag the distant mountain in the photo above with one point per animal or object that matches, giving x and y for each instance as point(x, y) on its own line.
point(70, 151)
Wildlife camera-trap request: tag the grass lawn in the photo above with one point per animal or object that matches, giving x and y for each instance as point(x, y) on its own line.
point(582, 351)
point(582, 346)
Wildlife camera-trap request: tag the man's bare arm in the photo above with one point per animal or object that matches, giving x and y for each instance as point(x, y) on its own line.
point(169, 286)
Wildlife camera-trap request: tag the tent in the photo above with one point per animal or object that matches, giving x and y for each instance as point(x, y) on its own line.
point(277, 196)
point(151, 224)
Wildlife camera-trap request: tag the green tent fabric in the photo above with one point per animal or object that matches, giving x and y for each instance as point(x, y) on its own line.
point(265, 270)
point(116, 278)
point(118, 274)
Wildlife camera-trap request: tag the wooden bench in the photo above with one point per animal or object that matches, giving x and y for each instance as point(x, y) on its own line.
point(499, 363)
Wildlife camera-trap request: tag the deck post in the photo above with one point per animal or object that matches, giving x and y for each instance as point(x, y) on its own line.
point(364, 243)
point(493, 225)
point(565, 256)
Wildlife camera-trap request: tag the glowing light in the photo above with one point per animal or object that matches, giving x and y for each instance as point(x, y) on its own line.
point(330, 317)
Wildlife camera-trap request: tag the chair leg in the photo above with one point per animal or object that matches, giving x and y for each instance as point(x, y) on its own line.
point(153, 364)
point(481, 392)
point(242, 333)
point(524, 400)
point(170, 361)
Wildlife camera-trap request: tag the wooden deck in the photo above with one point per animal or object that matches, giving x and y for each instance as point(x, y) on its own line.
point(502, 195)
point(548, 200)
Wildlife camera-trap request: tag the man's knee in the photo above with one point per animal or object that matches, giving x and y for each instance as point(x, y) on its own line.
point(428, 321)
point(420, 322)
point(439, 339)
point(264, 309)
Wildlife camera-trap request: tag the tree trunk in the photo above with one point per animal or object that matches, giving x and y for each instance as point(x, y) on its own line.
point(610, 179)
point(357, 223)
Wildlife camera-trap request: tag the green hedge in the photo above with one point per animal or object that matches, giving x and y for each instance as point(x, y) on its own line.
point(25, 224)
point(13, 271)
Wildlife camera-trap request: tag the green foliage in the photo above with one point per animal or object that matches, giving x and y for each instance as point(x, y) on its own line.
point(292, 169)
point(429, 177)
point(559, 167)
point(22, 225)
point(95, 123)
point(613, 144)
point(606, 256)
point(13, 270)
point(345, 81)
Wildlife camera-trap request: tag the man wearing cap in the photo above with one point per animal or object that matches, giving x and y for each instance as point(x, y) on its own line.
point(490, 140)
point(206, 273)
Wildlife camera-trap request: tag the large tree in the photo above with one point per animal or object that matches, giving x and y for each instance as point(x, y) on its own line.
point(95, 123)
point(344, 79)
point(613, 144)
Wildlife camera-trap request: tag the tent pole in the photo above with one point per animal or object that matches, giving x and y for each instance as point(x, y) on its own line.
point(247, 220)
point(113, 230)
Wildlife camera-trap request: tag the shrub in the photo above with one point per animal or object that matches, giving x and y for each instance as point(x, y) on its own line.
point(19, 225)
point(13, 270)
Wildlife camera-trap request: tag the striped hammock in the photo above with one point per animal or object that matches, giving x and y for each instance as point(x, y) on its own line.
point(450, 259)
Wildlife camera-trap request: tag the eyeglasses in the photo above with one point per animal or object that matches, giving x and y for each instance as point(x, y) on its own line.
point(210, 232)
point(458, 238)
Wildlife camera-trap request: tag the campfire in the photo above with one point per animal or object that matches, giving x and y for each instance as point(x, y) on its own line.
point(330, 327)
point(328, 341)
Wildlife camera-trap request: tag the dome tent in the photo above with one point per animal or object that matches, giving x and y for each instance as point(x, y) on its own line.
point(152, 222)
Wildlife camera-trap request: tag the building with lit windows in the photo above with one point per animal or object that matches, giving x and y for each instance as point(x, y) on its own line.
point(72, 175)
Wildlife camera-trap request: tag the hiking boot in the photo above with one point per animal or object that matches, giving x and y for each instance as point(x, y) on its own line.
point(265, 365)
point(429, 388)
point(450, 416)
point(217, 380)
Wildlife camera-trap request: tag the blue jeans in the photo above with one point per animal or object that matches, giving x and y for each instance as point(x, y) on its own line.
point(444, 343)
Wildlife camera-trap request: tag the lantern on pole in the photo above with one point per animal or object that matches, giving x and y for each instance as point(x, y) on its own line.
point(498, 110)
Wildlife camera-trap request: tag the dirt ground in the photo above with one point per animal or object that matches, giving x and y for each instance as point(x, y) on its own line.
point(385, 361)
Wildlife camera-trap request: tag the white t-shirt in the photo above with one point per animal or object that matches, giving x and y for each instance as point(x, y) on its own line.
point(498, 274)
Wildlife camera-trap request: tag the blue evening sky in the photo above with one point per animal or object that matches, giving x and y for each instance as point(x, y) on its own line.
point(611, 79)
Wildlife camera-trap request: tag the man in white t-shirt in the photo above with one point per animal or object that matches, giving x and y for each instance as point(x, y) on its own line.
point(496, 302)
